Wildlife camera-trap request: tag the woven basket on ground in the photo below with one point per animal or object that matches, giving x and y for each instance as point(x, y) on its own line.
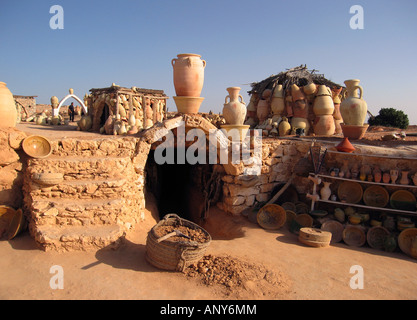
point(376, 237)
point(174, 255)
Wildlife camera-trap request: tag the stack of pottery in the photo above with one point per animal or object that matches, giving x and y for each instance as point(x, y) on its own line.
point(353, 110)
point(336, 114)
point(251, 117)
point(234, 112)
point(299, 110)
point(323, 109)
point(188, 81)
point(277, 102)
point(8, 111)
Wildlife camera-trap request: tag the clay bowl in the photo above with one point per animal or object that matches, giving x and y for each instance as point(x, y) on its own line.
point(271, 217)
point(376, 196)
point(37, 146)
point(354, 132)
point(188, 104)
point(403, 200)
point(350, 192)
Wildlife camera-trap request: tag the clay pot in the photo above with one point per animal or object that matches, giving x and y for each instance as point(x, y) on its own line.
point(325, 192)
point(297, 93)
point(386, 177)
point(262, 110)
point(284, 127)
point(404, 177)
point(188, 74)
point(278, 92)
point(336, 91)
point(85, 123)
point(323, 103)
point(266, 94)
point(394, 175)
point(188, 104)
point(377, 174)
point(234, 111)
point(8, 111)
point(277, 105)
point(324, 125)
point(345, 146)
point(300, 123)
point(288, 106)
point(354, 132)
point(353, 108)
point(310, 89)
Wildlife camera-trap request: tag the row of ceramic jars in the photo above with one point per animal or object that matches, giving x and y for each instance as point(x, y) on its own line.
point(375, 174)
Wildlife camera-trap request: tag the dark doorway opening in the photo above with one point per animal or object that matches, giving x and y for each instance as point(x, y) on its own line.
point(178, 188)
point(104, 115)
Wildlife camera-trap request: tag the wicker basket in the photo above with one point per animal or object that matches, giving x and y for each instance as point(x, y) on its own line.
point(174, 255)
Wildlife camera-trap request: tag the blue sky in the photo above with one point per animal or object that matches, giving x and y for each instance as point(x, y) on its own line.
point(132, 43)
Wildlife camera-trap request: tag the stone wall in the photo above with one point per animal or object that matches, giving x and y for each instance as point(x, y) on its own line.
point(100, 197)
point(278, 160)
point(11, 167)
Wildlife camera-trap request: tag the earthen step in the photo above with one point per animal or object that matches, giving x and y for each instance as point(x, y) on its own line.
point(79, 212)
point(78, 237)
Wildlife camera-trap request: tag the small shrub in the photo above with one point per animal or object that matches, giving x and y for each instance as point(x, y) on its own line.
point(390, 117)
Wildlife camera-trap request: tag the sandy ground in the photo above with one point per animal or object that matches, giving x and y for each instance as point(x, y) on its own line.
point(303, 272)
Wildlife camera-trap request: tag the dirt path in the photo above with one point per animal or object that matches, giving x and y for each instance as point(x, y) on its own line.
point(299, 272)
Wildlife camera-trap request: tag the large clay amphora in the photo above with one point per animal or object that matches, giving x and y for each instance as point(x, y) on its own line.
point(8, 111)
point(323, 103)
point(262, 110)
point(353, 108)
point(277, 102)
point(188, 74)
point(234, 111)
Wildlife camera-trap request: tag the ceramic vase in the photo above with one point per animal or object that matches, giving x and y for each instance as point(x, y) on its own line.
point(188, 74)
point(8, 111)
point(377, 174)
point(393, 175)
point(234, 111)
point(300, 123)
point(310, 89)
point(277, 102)
point(404, 177)
point(284, 127)
point(323, 103)
point(262, 110)
point(297, 93)
point(324, 125)
point(325, 191)
point(386, 177)
point(353, 108)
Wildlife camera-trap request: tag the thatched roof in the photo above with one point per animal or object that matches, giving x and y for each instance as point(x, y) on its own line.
point(300, 76)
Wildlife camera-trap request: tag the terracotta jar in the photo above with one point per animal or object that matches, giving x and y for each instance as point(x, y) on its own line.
point(386, 177)
point(323, 103)
point(377, 174)
point(310, 89)
point(188, 74)
point(297, 93)
point(394, 175)
point(300, 123)
point(300, 108)
point(284, 127)
point(353, 108)
point(262, 110)
point(324, 125)
point(277, 102)
point(234, 111)
point(8, 111)
point(404, 177)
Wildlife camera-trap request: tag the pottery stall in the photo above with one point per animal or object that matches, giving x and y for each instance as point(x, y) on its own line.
point(188, 71)
point(117, 110)
point(307, 100)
